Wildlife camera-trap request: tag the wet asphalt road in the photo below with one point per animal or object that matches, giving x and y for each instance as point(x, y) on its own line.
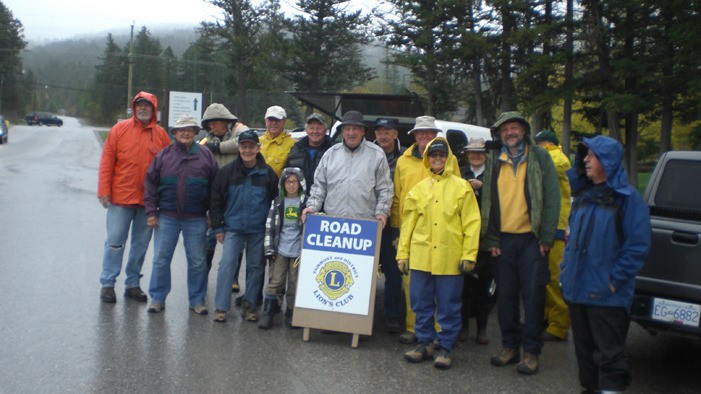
point(56, 336)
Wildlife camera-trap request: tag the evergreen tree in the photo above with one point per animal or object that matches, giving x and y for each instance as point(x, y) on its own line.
point(109, 89)
point(147, 72)
point(325, 49)
point(11, 44)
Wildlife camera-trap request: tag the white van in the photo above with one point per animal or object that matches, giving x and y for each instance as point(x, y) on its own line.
point(400, 108)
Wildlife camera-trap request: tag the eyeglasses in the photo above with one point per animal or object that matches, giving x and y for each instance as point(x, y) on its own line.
point(437, 154)
point(291, 182)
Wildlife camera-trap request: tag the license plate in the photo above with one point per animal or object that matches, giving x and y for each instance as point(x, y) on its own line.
point(675, 312)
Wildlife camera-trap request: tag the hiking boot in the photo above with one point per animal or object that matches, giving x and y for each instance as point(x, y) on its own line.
point(505, 357)
point(529, 365)
point(219, 316)
point(248, 313)
point(135, 294)
point(199, 309)
point(107, 295)
point(266, 321)
point(422, 352)
point(235, 288)
point(407, 337)
point(156, 308)
point(443, 360)
point(393, 326)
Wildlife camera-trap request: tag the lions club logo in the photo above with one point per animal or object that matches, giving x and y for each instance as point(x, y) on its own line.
point(334, 279)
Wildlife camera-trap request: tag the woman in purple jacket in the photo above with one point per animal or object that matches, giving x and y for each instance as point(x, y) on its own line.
point(176, 197)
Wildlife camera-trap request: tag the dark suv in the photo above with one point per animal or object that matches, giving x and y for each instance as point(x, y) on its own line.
point(43, 118)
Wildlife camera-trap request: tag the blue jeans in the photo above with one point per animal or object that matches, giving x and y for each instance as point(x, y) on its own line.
point(440, 295)
point(164, 241)
point(393, 278)
point(255, 268)
point(212, 244)
point(119, 220)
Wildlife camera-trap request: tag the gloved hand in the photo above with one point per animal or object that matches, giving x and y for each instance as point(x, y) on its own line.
point(466, 266)
point(213, 146)
point(403, 266)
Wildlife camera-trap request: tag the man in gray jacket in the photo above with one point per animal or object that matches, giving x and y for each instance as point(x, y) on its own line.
point(353, 177)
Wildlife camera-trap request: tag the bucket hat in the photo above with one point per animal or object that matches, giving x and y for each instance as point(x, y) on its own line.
point(352, 118)
point(185, 121)
point(475, 145)
point(425, 123)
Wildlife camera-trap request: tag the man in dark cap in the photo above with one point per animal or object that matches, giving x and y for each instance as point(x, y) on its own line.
point(520, 209)
point(359, 173)
point(386, 134)
point(306, 153)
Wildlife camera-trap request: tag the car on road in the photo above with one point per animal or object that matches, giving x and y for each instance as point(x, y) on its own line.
point(43, 118)
point(3, 130)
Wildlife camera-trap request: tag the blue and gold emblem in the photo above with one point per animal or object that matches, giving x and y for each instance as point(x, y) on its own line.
point(334, 279)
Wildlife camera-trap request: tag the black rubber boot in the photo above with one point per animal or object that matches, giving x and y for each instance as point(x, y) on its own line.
point(266, 320)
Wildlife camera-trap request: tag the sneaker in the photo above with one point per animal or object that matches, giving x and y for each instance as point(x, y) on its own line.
point(408, 337)
point(155, 308)
point(107, 295)
point(505, 357)
point(135, 294)
point(235, 288)
point(549, 337)
point(248, 313)
point(393, 326)
point(529, 365)
point(219, 316)
point(422, 352)
point(199, 309)
point(443, 359)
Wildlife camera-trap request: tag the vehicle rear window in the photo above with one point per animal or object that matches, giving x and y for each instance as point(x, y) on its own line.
point(680, 185)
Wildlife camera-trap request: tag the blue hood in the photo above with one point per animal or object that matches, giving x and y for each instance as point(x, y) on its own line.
point(610, 154)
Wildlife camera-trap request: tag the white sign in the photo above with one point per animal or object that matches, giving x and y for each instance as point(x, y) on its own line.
point(337, 265)
point(184, 103)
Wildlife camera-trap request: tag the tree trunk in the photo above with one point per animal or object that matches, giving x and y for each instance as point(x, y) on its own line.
point(569, 76)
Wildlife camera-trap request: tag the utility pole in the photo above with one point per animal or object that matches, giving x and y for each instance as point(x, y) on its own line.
point(131, 65)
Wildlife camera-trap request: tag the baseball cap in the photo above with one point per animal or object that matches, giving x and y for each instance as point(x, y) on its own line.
point(387, 123)
point(437, 145)
point(276, 112)
point(248, 135)
point(317, 117)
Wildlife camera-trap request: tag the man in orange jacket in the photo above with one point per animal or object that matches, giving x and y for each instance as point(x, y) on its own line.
point(130, 146)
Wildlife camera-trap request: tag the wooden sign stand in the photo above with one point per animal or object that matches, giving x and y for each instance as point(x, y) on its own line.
point(319, 267)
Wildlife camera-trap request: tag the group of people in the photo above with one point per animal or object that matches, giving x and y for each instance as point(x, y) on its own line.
point(551, 245)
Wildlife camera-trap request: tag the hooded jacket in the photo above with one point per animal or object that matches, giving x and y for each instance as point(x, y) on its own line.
point(241, 197)
point(609, 231)
point(299, 157)
point(562, 164)
point(228, 143)
point(273, 224)
point(541, 189)
point(409, 171)
point(126, 155)
point(352, 183)
point(178, 181)
point(440, 222)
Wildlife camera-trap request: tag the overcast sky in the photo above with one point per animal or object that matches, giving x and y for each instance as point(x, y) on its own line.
point(60, 19)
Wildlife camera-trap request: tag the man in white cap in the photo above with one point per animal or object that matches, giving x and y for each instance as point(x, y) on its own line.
point(276, 143)
point(410, 170)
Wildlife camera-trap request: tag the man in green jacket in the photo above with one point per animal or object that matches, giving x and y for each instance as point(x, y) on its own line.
point(520, 210)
